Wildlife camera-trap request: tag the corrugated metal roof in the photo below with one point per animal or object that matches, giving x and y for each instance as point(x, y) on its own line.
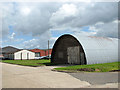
point(9, 49)
point(99, 49)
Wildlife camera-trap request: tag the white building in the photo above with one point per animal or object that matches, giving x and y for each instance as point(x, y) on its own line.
point(24, 55)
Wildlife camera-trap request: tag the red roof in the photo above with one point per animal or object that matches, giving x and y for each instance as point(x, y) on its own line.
point(42, 52)
point(36, 50)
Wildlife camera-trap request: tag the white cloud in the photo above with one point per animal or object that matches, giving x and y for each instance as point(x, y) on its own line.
point(107, 29)
point(39, 19)
point(40, 42)
point(67, 10)
point(29, 43)
point(87, 15)
point(25, 11)
point(82, 33)
point(13, 35)
point(34, 18)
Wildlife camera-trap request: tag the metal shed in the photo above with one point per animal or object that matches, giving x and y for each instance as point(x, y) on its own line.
point(8, 52)
point(71, 49)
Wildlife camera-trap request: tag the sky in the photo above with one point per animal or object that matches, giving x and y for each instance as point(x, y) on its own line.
point(30, 25)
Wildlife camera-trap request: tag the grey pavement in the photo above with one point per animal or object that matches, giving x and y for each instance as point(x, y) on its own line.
point(16, 76)
point(97, 78)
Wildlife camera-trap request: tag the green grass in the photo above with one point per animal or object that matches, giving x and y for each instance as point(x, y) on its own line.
point(33, 63)
point(106, 67)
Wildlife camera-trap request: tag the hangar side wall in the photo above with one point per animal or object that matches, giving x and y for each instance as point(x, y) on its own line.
point(99, 50)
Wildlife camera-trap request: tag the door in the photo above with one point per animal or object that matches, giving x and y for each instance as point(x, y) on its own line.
point(82, 58)
point(73, 54)
point(27, 56)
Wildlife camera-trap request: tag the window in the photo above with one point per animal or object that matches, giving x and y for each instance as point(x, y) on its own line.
point(37, 54)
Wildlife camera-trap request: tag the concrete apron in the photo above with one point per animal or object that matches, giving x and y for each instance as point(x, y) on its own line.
point(15, 76)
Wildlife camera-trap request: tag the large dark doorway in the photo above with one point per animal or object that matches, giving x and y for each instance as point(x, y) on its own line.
point(68, 50)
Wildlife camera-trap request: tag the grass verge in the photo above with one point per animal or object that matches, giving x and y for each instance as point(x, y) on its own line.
point(33, 63)
point(105, 67)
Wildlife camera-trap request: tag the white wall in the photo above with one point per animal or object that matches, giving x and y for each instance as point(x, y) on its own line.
point(17, 55)
point(99, 49)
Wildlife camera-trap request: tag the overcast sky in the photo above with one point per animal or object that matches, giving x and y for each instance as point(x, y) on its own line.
point(31, 25)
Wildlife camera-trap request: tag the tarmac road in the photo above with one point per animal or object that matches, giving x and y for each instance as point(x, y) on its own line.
point(97, 78)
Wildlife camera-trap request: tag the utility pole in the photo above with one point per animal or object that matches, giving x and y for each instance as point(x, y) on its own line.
point(48, 48)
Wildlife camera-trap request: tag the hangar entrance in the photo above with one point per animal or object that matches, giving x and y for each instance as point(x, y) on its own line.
point(75, 56)
point(68, 50)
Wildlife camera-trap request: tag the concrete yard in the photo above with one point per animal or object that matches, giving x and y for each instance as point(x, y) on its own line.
point(15, 76)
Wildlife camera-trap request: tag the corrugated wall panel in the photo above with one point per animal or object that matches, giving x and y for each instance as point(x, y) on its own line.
point(98, 49)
